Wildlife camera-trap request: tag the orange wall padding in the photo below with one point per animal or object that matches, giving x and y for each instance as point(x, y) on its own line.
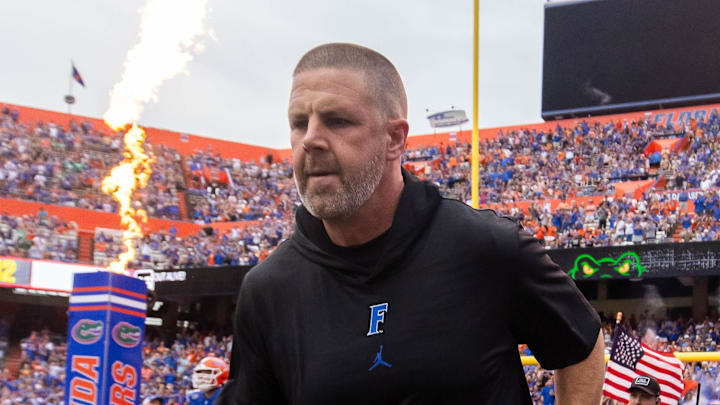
point(636, 187)
point(222, 227)
point(89, 220)
point(524, 205)
point(658, 145)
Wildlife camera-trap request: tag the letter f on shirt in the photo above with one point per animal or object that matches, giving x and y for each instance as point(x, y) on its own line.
point(377, 315)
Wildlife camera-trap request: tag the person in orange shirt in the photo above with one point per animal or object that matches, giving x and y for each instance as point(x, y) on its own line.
point(263, 255)
point(146, 373)
point(552, 231)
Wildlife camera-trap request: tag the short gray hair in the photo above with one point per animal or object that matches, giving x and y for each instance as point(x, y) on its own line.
point(383, 80)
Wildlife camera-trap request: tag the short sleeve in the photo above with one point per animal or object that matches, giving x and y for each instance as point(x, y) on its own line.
point(550, 314)
point(251, 379)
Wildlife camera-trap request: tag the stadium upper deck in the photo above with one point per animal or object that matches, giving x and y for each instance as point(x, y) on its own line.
point(594, 182)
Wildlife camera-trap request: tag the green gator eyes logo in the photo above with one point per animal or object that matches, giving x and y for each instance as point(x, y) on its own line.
point(587, 267)
point(126, 335)
point(87, 331)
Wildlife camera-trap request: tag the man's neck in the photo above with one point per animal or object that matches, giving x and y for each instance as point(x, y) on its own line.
point(372, 219)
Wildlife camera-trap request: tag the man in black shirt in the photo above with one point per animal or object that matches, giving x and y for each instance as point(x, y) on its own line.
point(387, 293)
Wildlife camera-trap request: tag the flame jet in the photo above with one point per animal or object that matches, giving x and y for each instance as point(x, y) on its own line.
point(169, 32)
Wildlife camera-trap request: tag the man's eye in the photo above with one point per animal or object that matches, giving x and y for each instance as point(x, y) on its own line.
point(338, 122)
point(300, 124)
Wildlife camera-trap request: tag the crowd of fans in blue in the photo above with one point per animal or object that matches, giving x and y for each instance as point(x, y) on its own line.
point(164, 249)
point(167, 368)
point(48, 163)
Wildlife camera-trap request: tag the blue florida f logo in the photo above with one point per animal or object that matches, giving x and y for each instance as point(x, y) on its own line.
point(377, 315)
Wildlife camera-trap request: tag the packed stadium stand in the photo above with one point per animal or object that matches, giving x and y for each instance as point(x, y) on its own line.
point(167, 366)
point(166, 370)
point(38, 237)
point(633, 179)
point(48, 163)
point(572, 184)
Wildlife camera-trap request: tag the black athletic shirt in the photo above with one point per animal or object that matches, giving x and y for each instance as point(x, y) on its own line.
point(461, 289)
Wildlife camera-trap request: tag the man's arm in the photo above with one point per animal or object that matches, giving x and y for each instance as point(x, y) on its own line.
point(251, 380)
point(581, 383)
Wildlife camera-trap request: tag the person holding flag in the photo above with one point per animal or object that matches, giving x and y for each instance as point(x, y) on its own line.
point(632, 362)
point(644, 390)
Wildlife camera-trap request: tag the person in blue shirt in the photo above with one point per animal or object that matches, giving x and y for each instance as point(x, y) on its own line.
point(548, 393)
point(683, 205)
point(208, 378)
point(700, 204)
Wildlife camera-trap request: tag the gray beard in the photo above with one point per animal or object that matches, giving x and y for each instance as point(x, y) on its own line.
point(353, 192)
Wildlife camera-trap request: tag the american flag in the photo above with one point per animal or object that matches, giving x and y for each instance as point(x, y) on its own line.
point(630, 358)
point(76, 75)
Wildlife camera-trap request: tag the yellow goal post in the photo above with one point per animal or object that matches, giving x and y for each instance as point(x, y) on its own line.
point(685, 357)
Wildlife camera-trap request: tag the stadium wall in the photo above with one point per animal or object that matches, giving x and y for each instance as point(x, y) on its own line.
point(89, 220)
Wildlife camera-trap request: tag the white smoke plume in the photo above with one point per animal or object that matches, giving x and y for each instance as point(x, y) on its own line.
point(169, 34)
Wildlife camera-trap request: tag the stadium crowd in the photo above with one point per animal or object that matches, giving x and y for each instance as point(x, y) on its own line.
point(167, 367)
point(685, 335)
point(47, 163)
point(232, 190)
point(166, 370)
point(625, 220)
point(615, 221)
point(525, 165)
point(244, 246)
point(698, 166)
point(38, 236)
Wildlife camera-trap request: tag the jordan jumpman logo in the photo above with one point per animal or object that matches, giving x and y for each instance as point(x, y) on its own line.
point(379, 360)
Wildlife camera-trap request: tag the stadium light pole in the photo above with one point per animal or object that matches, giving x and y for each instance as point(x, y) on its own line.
point(474, 164)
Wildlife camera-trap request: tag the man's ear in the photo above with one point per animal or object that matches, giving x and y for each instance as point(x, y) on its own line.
point(397, 130)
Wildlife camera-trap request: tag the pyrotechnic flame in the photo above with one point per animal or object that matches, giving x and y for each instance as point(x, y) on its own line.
point(168, 33)
point(132, 172)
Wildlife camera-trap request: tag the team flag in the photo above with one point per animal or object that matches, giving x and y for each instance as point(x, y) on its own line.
point(629, 358)
point(76, 75)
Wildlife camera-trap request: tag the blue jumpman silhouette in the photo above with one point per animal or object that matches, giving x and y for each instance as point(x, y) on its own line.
point(379, 360)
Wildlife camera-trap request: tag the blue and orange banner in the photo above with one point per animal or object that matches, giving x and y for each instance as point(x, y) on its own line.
point(106, 327)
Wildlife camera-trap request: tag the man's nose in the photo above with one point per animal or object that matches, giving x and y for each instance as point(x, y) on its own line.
point(316, 135)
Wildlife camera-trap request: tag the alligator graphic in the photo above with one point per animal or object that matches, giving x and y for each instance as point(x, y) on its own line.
point(587, 267)
point(127, 335)
point(87, 331)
